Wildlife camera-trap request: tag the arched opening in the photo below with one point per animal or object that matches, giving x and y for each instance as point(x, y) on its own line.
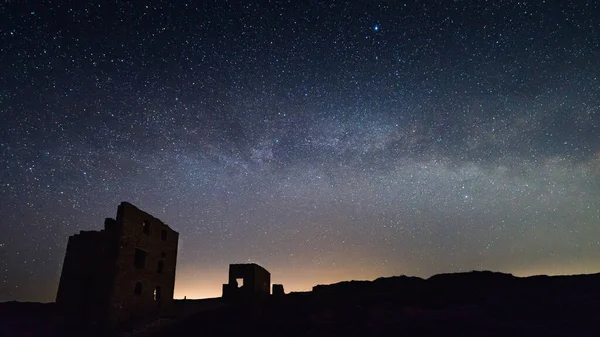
point(163, 235)
point(138, 289)
point(160, 267)
point(239, 282)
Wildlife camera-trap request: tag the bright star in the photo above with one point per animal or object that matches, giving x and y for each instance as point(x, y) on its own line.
point(376, 28)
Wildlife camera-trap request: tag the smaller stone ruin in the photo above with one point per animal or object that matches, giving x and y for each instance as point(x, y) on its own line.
point(278, 290)
point(247, 282)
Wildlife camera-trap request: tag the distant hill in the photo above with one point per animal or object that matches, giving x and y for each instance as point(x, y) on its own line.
point(478, 303)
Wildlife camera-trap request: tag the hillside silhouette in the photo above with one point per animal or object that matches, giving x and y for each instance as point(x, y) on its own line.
point(478, 303)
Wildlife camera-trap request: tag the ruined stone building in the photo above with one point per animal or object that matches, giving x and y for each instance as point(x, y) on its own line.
point(247, 281)
point(278, 290)
point(121, 273)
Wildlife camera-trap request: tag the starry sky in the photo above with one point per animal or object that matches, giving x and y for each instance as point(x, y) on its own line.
point(324, 140)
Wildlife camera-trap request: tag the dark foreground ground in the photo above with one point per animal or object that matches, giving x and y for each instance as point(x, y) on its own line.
point(467, 304)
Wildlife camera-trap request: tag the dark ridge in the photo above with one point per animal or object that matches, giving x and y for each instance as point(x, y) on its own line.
point(478, 303)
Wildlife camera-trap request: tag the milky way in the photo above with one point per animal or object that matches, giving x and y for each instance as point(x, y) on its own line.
point(325, 141)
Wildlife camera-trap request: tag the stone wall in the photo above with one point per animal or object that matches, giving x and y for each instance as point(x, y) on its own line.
point(158, 242)
point(104, 282)
point(86, 279)
point(257, 281)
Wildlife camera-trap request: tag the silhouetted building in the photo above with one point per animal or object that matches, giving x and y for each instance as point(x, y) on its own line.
point(122, 273)
point(247, 281)
point(278, 290)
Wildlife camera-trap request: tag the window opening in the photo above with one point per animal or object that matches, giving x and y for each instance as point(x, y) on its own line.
point(146, 227)
point(157, 293)
point(138, 288)
point(139, 260)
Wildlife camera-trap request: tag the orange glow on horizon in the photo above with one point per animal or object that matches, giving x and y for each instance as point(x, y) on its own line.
point(207, 284)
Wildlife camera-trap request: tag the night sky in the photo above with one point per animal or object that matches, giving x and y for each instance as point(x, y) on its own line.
point(325, 141)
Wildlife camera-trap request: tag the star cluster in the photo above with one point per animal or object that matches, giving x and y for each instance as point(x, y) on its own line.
point(323, 140)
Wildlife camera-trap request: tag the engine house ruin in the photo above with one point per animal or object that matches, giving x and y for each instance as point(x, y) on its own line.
point(247, 281)
point(123, 273)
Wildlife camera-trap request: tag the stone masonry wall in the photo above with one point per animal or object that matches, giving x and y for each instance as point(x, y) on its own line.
point(159, 242)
